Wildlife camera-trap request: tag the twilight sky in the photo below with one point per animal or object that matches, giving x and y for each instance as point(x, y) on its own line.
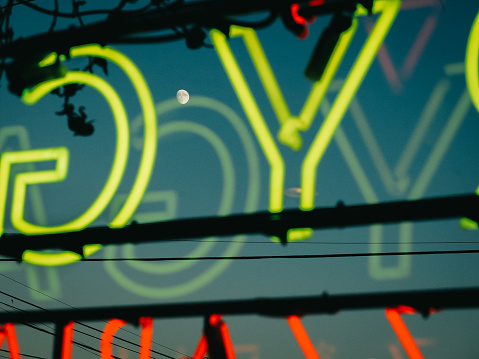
point(409, 132)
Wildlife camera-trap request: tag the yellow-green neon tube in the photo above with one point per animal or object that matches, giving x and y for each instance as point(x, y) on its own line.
point(150, 136)
point(256, 118)
point(350, 87)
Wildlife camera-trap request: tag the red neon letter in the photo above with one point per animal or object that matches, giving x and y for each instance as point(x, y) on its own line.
point(228, 343)
point(302, 337)
point(201, 349)
point(216, 339)
point(8, 330)
point(107, 337)
point(112, 327)
point(146, 337)
point(405, 337)
point(67, 341)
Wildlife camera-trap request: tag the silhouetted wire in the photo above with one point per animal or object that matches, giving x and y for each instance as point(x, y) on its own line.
point(149, 39)
point(88, 348)
point(272, 16)
point(76, 330)
point(21, 355)
point(55, 16)
point(83, 324)
point(67, 14)
point(322, 242)
point(76, 6)
point(7, 33)
point(140, 39)
point(74, 14)
point(179, 35)
point(291, 256)
point(17, 3)
point(20, 310)
point(35, 290)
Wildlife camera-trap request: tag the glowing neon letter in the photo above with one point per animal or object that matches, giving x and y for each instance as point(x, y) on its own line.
point(472, 80)
point(107, 337)
point(31, 96)
point(8, 330)
point(290, 125)
point(60, 155)
point(472, 56)
point(201, 349)
point(225, 334)
point(302, 337)
point(112, 327)
point(146, 337)
point(354, 79)
point(67, 341)
point(407, 341)
point(217, 337)
point(145, 98)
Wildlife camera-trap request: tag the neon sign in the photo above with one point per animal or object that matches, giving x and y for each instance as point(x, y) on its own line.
point(215, 340)
point(216, 335)
point(289, 134)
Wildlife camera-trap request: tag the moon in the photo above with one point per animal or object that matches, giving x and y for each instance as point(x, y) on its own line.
point(182, 96)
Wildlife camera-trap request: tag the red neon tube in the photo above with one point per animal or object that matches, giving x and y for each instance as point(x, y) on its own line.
point(227, 342)
point(201, 349)
point(107, 337)
point(8, 330)
point(302, 337)
point(299, 20)
point(67, 341)
point(407, 341)
point(146, 337)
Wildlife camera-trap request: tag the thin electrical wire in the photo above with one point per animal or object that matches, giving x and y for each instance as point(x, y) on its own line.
point(297, 256)
point(55, 17)
point(322, 242)
point(17, 3)
point(21, 355)
point(294, 256)
point(83, 346)
point(74, 15)
point(35, 290)
point(21, 310)
point(269, 20)
point(80, 344)
point(75, 6)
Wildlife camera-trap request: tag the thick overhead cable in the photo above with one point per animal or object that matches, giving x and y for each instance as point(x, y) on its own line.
point(422, 301)
point(271, 224)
